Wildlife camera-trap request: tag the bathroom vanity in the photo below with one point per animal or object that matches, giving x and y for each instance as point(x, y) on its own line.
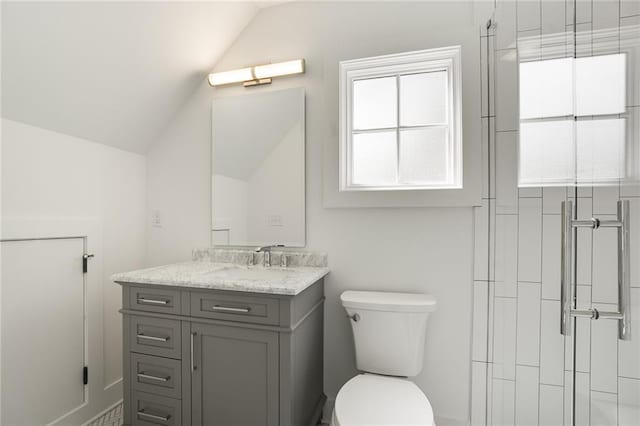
point(216, 342)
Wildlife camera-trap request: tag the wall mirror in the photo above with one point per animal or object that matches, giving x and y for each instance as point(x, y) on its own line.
point(258, 169)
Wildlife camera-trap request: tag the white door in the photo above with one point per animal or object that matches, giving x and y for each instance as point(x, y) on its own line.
point(43, 330)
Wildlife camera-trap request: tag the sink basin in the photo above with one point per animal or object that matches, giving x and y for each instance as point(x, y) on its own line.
point(254, 274)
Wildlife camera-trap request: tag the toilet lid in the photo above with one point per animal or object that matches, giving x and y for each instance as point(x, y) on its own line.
point(369, 399)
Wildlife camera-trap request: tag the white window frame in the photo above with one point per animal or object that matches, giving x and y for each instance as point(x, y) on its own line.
point(440, 59)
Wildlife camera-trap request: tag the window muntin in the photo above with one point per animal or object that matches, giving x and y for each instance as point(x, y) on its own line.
point(400, 122)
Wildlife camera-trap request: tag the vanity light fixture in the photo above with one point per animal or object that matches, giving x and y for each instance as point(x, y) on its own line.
point(260, 74)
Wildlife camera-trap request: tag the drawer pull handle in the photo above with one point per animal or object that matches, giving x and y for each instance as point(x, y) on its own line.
point(151, 377)
point(144, 300)
point(193, 355)
point(154, 338)
point(154, 417)
point(220, 308)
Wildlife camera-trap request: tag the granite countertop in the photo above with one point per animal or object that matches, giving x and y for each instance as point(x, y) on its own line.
point(201, 274)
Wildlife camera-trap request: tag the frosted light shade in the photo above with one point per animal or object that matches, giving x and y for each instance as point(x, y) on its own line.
point(228, 77)
point(374, 158)
point(601, 85)
point(424, 155)
point(423, 98)
point(375, 103)
point(547, 153)
point(600, 147)
point(279, 69)
point(546, 88)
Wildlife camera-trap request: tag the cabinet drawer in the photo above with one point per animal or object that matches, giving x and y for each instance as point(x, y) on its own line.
point(155, 336)
point(260, 310)
point(155, 300)
point(161, 376)
point(151, 409)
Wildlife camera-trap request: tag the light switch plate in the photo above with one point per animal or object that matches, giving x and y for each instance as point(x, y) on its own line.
point(274, 220)
point(156, 219)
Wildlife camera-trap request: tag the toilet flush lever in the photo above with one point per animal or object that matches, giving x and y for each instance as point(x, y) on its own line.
point(354, 317)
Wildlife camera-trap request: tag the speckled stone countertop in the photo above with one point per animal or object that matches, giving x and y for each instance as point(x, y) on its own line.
point(216, 272)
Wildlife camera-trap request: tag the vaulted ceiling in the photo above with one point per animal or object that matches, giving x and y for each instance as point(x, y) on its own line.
point(111, 72)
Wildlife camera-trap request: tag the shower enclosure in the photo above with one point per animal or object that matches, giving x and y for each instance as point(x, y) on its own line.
point(557, 266)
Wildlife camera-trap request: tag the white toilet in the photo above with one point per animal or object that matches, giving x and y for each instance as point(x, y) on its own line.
point(389, 332)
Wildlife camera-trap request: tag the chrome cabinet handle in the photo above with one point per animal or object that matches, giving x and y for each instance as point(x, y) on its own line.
point(244, 310)
point(193, 357)
point(151, 377)
point(144, 300)
point(153, 416)
point(153, 338)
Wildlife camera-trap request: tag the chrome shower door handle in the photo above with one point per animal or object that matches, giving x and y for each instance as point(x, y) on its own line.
point(567, 311)
point(624, 271)
point(566, 265)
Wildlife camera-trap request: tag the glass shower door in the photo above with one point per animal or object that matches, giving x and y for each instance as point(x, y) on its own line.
point(578, 132)
point(561, 286)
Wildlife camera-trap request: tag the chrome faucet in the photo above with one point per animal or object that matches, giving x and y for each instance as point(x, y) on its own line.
point(267, 253)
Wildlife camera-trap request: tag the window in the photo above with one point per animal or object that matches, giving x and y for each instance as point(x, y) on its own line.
point(571, 131)
point(400, 121)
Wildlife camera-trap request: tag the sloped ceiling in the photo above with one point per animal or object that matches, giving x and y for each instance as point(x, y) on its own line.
point(111, 72)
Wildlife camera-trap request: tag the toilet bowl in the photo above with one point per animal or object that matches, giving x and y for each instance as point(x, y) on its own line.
point(389, 332)
point(370, 399)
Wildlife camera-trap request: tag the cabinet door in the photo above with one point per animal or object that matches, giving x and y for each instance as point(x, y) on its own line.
point(235, 376)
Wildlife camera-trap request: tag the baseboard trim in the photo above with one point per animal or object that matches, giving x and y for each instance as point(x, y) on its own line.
point(327, 411)
point(317, 411)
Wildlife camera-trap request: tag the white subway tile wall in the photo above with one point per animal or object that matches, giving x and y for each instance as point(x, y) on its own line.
point(503, 402)
point(527, 395)
point(528, 324)
point(550, 410)
point(628, 402)
point(480, 315)
point(479, 375)
point(504, 338)
point(522, 370)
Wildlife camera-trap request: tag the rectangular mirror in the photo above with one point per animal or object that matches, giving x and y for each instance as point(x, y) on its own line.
point(258, 169)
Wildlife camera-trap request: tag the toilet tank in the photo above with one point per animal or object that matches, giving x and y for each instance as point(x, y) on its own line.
point(389, 330)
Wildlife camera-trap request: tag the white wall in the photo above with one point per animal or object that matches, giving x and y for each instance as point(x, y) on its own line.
point(401, 249)
point(51, 175)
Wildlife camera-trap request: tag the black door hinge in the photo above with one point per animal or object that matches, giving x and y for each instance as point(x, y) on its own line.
point(85, 375)
point(85, 262)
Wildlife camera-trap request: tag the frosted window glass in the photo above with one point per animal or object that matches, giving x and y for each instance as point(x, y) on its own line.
point(374, 158)
point(423, 98)
point(600, 84)
point(546, 88)
point(424, 155)
point(375, 103)
point(600, 150)
point(547, 153)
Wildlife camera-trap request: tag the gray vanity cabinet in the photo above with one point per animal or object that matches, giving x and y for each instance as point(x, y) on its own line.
point(195, 357)
point(235, 376)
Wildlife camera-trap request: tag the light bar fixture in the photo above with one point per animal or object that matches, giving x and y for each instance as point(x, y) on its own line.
point(255, 76)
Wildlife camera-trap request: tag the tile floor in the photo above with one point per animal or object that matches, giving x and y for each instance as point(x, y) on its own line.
point(112, 417)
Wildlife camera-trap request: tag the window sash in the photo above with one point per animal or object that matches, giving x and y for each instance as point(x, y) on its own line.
point(433, 60)
point(398, 128)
